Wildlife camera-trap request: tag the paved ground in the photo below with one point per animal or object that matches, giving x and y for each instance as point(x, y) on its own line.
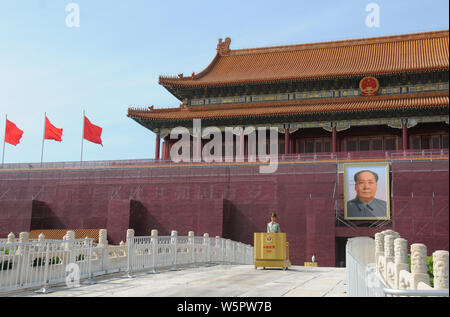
point(216, 281)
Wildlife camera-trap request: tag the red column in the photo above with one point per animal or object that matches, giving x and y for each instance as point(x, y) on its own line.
point(197, 144)
point(245, 147)
point(157, 142)
point(286, 141)
point(169, 145)
point(334, 139)
point(405, 136)
point(165, 150)
point(242, 146)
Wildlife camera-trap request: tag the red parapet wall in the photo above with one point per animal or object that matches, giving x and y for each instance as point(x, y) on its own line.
point(231, 201)
point(420, 203)
point(15, 215)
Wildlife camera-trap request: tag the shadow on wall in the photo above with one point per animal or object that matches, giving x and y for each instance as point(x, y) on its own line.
point(236, 225)
point(141, 219)
point(42, 217)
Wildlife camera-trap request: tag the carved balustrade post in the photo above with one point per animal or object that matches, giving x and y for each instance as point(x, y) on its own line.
point(440, 269)
point(419, 265)
point(401, 259)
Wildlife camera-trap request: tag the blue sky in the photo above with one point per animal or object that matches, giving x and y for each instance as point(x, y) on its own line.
point(113, 60)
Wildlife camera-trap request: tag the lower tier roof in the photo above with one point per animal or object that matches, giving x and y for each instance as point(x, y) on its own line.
point(350, 107)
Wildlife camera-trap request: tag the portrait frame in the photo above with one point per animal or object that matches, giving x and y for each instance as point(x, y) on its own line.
point(382, 194)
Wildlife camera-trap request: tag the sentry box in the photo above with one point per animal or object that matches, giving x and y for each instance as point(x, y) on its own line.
point(271, 250)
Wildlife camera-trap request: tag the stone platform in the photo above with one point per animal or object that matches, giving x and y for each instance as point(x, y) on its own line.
point(214, 281)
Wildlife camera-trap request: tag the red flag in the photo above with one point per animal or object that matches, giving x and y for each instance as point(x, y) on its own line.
point(52, 133)
point(13, 133)
point(92, 132)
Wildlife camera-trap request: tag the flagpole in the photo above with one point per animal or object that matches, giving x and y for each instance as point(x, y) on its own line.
point(43, 138)
point(82, 138)
point(4, 141)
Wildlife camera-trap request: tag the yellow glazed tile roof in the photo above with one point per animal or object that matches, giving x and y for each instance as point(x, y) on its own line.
point(351, 104)
point(369, 56)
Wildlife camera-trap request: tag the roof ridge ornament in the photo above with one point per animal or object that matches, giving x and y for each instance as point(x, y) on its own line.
point(223, 47)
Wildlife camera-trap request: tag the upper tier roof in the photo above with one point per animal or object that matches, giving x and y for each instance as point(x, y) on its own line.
point(359, 57)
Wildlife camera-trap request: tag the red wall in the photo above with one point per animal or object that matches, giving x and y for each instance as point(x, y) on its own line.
point(230, 201)
point(420, 203)
point(15, 216)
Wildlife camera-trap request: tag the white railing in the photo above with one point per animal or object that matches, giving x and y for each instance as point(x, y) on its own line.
point(171, 252)
point(380, 268)
point(356, 275)
point(33, 264)
point(42, 263)
point(338, 156)
point(361, 274)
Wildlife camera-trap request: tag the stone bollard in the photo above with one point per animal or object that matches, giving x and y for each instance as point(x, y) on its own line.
point(154, 250)
point(379, 243)
point(388, 258)
point(68, 246)
point(103, 248)
point(174, 244)
point(229, 251)
point(128, 252)
point(440, 269)
point(419, 265)
point(390, 232)
point(191, 243)
point(154, 241)
point(206, 243)
point(218, 249)
point(122, 250)
point(154, 236)
point(70, 235)
point(389, 247)
point(129, 241)
point(218, 242)
point(379, 251)
point(23, 238)
point(191, 239)
point(11, 238)
point(401, 259)
point(173, 237)
point(102, 238)
point(130, 235)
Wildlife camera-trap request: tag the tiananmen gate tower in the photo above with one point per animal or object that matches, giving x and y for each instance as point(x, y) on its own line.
point(381, 100)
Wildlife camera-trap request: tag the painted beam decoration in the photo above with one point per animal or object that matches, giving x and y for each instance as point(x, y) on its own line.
point(366, 191)
point(321, 94)
point(327, 125)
